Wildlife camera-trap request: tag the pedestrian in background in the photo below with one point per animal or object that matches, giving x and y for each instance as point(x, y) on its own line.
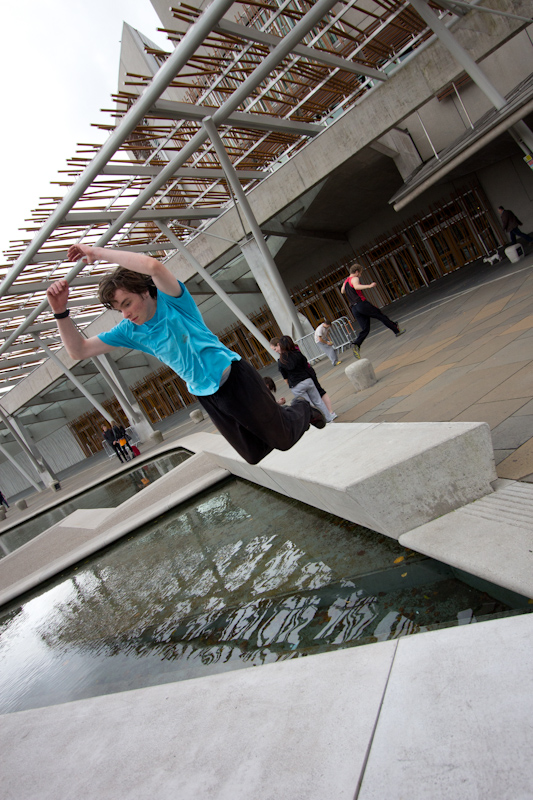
point(511, 225)
point(324, 342)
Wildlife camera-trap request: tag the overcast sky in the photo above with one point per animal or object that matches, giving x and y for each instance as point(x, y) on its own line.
point(59, 62)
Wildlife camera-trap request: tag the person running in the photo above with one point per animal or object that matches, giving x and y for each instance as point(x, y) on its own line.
point(293, 367)
point(362, 309)
point(161, 318)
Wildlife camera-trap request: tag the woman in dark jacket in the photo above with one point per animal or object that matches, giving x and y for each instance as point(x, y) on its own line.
point(294, 369)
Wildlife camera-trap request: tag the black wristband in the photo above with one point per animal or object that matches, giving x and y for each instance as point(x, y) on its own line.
point(63, 314)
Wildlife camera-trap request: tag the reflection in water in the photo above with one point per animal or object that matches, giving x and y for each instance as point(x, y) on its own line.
point(236, 577)
point(107, 495)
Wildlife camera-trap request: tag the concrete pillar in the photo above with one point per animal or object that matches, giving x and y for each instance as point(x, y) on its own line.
point(32, 451)
point(127, 400)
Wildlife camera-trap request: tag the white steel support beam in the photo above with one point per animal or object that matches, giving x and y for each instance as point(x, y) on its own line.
point(274, 58)
point(520, 131)
point(18, 467)
point(72, 378)
point(321, 56)
point(111, 374)
point(265, 271)
point(183, 172)
point(216, 288)
point(29, 447)
point(148, 215)
point(168, 109)
point(186, 48)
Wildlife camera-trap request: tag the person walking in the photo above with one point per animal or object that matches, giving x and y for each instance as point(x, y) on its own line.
point(362, 309)
point(511, 225)
point(3, 500)
point(293, 367)
point(161, 318)
point(324, 342)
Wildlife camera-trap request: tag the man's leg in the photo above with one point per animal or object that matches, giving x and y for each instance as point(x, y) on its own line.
point(512, 235)
point(363, 320)
point(375, 313)
point(328, 351)
point(247, 415)
point(307, 390)
point(117, 449)
point(524, 235)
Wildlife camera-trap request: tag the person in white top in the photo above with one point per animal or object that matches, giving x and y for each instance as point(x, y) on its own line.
point(323, 340)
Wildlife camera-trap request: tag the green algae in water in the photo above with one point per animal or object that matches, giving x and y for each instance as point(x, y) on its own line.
point(237, 577)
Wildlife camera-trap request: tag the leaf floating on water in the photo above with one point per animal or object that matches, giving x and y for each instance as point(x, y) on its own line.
point(398, 560)
point(404, 574)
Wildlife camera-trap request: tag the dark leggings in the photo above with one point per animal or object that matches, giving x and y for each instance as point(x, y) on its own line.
point(363, 313)
point(247, 415)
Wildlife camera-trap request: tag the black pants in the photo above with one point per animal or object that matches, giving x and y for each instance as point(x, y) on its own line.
point(247, 415)
point(120, 451)
point(363, 313)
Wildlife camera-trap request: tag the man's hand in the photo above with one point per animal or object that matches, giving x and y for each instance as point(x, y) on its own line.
point(77, 251)
point(57, 295)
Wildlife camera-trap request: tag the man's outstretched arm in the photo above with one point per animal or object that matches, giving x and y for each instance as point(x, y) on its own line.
point(77, 346)
point(136, 262)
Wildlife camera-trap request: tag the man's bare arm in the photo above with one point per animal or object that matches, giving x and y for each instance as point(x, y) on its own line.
point(136, 262)
point(76, 345)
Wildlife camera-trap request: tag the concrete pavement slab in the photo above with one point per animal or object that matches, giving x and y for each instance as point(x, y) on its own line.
point(297, 730)
point(456, 717)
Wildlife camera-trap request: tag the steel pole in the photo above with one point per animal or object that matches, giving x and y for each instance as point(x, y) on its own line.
point(165, 75)
point(215, 287)
point(270, 266)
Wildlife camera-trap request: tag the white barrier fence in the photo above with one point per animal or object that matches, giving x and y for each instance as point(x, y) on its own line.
point(341, 333)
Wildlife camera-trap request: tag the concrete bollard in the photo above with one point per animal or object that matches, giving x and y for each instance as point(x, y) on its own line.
point(196, 415)
point(2, 512)
point(22, 504)
point(155, 438)
point(361, 374)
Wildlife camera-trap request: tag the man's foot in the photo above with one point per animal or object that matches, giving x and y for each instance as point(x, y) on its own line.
point(317, 418)
point(336, 364)
point(400, 331)
point(356, 350)
point(333, 416)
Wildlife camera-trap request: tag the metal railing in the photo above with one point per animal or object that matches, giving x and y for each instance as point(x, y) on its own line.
point(341, 333)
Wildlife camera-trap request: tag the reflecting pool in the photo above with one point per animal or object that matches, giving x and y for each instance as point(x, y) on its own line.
point(107, 495)
point(236, 577)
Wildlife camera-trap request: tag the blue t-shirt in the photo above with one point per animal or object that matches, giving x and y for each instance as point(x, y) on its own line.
point(178, 336)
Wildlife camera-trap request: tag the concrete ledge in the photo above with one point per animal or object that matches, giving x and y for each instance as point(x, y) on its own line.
point(86, 531)
point(389, 477)
point(439, 715)
point(491, 538)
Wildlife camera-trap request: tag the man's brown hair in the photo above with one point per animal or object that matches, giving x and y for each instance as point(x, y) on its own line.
point(126, 280)
point(355, 268)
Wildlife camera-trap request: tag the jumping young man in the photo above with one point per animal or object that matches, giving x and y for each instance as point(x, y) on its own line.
point(161, 318)
point(362, 309)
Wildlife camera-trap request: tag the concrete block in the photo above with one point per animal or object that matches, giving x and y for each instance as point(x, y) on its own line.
point(2, 512)
point(155, 438)
point(196, 415)
point(389, 477)
point(361, 374)
point(22, 504)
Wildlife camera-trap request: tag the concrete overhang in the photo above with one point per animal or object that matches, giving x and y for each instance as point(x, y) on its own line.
point(492, 125)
